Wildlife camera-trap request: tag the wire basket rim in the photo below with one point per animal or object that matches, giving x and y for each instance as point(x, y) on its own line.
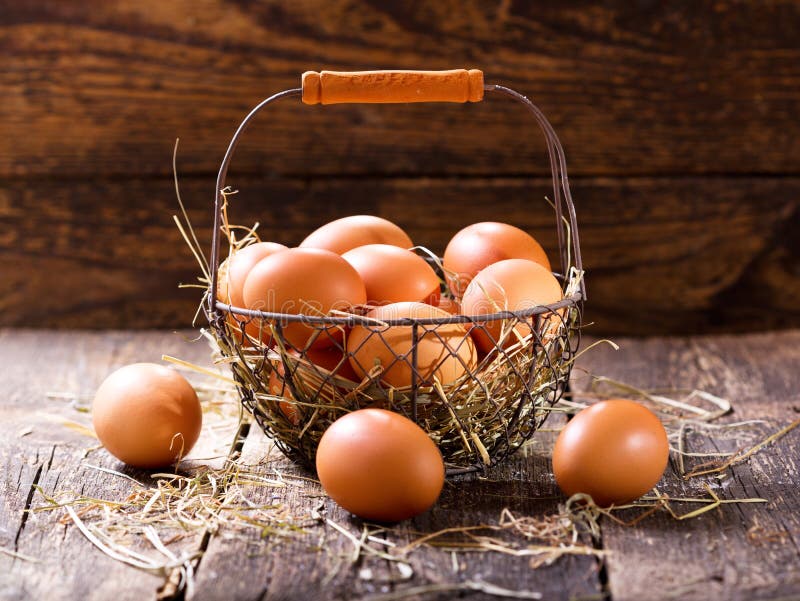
point(363, 320)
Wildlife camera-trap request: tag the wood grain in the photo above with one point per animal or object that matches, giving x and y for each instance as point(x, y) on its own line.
point(679, 124)
point(96, 88)
point(663, 255)
point(52, 457)
point(294, 572)
point(727, 553)
point(37, 449)
point(718, 554)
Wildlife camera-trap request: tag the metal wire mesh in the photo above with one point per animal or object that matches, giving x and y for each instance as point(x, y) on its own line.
point(479, 407)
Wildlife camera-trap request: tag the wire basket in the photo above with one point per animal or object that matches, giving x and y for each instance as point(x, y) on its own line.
point(477, 408)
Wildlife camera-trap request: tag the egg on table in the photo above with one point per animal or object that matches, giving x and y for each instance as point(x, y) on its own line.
point(614, 450)
point(444, 351)
point(357, 230)
point(307, 281)
point(379, 465)
point(479, 245)
point(147, 415)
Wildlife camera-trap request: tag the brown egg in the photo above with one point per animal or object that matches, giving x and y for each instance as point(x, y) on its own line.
point(358, 230)
point(232, 273)
point(510, 285)
point(443, 351)
point(238, 266)
point(333, 360)
point(380, 465)
point(223, 295)
point(316, 364)
point(147, 415)
point(278, 386)
point(256, 331)
point(614, 451)
point(392, 274)
point(305, 281)
point(448, 304)
point(291, 412)
point(479, 245)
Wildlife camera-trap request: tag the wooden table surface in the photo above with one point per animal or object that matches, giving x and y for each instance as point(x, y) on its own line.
point(735, 551)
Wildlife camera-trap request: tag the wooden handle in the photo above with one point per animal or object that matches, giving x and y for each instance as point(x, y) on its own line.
point(336, 87)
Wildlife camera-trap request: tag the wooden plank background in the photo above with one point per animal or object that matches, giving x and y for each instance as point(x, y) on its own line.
point(679, 121)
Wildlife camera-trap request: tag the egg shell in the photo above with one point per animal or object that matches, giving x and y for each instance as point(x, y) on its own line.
point(291, 412)
point(334, 360)
point(306, 281)
point(232, 274)
point(445, 351)
point(147, 415)
point(317, 363)
point(223, 294)
point(278, 386)
point(510, 285)
point(481, 244)
point(450, 305)
point(615, 451)
point(357, 230)
point(380, 465)
point(255, 331)
point(238, 266)
point(392, 274)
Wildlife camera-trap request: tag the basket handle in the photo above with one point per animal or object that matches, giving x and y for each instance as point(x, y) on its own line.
point(397, 86)
point(336, 87)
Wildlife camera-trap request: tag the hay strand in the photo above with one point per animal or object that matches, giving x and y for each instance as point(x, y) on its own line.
point(740, 456)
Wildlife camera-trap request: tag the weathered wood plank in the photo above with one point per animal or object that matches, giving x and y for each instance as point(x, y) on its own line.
point(742, 552)
point(663, 255)
point(693, 559)
point(236, 568)
point(98, 88)
point(316, 563)
point(37, 449)
point(523, 485)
